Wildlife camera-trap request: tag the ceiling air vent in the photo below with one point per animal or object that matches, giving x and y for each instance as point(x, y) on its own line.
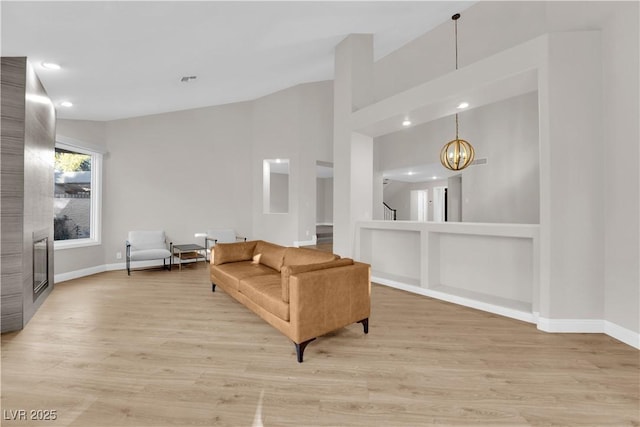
point(187, 79)
point(482, 161)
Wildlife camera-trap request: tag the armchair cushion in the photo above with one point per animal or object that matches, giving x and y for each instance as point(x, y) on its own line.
point(149, 254)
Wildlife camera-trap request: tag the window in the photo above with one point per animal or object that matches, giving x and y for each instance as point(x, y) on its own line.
point(77, 195)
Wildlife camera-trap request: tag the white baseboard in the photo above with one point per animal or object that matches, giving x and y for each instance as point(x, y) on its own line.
point(136, 264)
point(76, 274)
point(63, 277)
point(467, 302)
point(624, 335)
point(577, 326)
point(589, 326)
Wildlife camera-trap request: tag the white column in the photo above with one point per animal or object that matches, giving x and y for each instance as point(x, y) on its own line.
point(353, 154)
point(571, 188)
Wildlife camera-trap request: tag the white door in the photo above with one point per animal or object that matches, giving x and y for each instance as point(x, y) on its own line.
point(419, 205)
point(438, 204)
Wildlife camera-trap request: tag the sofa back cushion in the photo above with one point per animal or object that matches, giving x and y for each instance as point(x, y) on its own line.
point(271, 255)
point(302, 256)
point(289, 270)
point(233, 252)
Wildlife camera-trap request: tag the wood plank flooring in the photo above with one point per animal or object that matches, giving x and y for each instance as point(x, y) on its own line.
point(159, 349)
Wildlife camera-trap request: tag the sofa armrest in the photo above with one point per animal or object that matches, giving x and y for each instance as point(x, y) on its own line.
point(322, 301)
point(288, 270)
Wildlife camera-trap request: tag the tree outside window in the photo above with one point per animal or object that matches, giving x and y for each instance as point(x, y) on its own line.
point(72, 195)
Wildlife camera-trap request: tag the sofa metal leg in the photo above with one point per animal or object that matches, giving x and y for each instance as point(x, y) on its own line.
point(365, 325)
point(300, 348)
point(213, 287)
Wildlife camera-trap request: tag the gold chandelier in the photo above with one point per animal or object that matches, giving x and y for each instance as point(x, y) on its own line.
point(458, 153)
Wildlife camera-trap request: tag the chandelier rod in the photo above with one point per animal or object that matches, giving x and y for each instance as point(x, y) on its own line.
point(455, 21)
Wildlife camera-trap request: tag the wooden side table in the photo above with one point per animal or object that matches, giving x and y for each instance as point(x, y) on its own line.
point(189, 251)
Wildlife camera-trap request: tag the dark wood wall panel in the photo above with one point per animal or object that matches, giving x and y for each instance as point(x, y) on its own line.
point(12, 79)
point(26, 190)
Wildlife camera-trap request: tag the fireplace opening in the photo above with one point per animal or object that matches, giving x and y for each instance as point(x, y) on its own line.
point(40, 263)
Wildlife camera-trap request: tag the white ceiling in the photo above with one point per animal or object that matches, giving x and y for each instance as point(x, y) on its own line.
point(124, 59)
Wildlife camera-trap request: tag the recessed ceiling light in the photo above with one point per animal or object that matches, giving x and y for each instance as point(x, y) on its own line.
point(66, 104)
point(50, 66)
point(434, 177)
point(406, 122)
point(463, 105)
point(410, 173)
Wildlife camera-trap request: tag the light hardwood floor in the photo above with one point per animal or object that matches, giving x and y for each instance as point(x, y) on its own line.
point(159, 349)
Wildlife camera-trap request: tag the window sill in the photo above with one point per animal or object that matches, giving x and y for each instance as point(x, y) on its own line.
point(75, 243)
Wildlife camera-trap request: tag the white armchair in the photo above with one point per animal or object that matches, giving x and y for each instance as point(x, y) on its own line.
point(220, 235)
point(147, 246)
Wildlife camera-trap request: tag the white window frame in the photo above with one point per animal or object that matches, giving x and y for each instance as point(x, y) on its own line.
point(95, 228)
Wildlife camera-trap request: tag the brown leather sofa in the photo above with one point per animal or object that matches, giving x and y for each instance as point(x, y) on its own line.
point(304, 293)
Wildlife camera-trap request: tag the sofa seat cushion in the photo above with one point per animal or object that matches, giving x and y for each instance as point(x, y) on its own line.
point(266, 291)
point(302, 256)
point(231, 274)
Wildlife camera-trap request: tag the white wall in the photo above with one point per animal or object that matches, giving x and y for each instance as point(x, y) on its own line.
point(484, 29)
point(620, 38)
point(183, 172)
point(506, 189)
point(324, 201)
point(279, 190)
point(352, 89)
point(294, 124)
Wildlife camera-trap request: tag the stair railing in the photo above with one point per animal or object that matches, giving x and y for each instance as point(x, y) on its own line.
point(390, 214)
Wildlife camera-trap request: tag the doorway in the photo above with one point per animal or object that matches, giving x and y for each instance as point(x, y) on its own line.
point(439, 204)
point(419, 205)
